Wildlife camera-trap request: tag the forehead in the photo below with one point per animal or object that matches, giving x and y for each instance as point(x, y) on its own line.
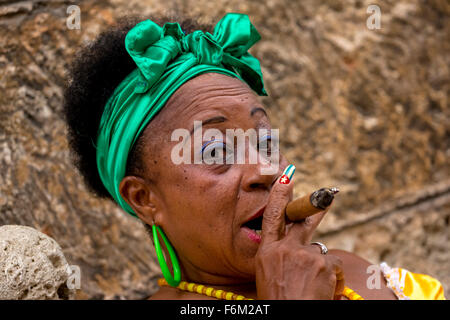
point(211, 94)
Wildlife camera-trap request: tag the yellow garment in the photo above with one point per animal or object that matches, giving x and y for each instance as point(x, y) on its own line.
point(422, 287)
point(412, 286)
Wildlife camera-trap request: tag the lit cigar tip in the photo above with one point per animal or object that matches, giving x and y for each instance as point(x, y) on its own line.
point(334, 190)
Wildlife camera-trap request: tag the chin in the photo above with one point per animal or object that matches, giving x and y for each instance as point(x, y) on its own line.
point(246, 265)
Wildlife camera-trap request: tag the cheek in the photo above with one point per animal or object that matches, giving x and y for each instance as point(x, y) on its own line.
point(200, 198)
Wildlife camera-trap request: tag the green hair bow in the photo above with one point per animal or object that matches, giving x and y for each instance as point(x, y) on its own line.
point(166, 58)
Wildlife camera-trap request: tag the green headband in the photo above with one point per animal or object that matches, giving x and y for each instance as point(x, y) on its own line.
point(166, 58)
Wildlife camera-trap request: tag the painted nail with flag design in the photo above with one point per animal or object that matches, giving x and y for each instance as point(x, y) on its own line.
point(286, 177)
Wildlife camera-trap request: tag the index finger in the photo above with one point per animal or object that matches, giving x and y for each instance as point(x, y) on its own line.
point(273, 222)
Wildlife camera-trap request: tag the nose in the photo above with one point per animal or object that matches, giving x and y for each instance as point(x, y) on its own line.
point(254, 180)
point(262, 175)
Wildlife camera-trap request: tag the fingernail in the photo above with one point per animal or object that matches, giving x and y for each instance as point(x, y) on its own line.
point(286, 177)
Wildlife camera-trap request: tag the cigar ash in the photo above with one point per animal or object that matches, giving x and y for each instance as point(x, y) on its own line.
point(323, 197)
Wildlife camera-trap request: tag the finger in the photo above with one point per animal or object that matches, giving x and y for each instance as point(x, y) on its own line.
point(273, 223)
point(316, 247)
point(313, 223)
point(340, 285)
point(303, 231)
point(337, 267)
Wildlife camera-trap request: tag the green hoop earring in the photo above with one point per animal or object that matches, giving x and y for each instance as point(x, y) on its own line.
point(175, 280)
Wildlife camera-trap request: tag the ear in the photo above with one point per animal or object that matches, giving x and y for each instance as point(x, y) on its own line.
point(142, 198)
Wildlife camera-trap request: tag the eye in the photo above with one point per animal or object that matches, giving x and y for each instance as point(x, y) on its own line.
point(215, 151)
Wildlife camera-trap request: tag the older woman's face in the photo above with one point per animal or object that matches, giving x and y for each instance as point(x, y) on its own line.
point(202, 207)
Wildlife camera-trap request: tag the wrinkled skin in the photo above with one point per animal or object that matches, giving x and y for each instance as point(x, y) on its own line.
point(202, 207)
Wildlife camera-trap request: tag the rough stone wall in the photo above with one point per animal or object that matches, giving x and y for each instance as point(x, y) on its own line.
point(365, 110)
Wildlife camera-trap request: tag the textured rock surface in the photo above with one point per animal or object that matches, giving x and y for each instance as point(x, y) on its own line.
point(32, 266)
point(365, 110)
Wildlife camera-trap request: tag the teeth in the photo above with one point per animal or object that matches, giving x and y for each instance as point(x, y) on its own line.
point(258, 232)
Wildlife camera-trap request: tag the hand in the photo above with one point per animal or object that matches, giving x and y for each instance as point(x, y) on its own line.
point(287, 265)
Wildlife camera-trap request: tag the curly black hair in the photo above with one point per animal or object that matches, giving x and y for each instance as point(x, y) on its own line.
point(92, 77)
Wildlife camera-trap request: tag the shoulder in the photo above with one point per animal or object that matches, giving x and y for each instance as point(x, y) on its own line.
point(353, 263)
point(363, 279)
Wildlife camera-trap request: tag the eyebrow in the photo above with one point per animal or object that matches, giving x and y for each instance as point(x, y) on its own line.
point(254, 110)
point(220, 119)
point(217, 119)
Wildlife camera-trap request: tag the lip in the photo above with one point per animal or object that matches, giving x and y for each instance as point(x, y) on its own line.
point(252, 235)
point(257, 214)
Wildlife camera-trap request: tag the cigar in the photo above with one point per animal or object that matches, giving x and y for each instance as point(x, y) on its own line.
point(310, 204)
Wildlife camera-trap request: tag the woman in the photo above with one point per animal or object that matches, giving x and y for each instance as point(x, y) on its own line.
point(129, 91)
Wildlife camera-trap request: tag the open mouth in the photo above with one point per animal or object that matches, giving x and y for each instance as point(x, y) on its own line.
point(253, 226)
